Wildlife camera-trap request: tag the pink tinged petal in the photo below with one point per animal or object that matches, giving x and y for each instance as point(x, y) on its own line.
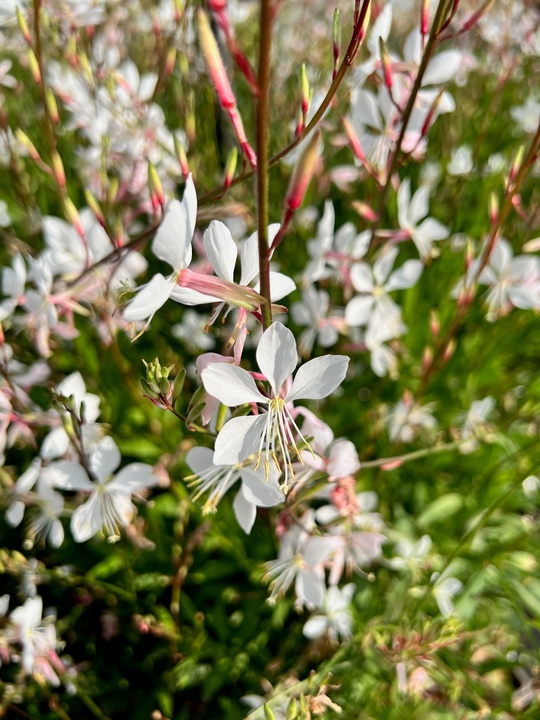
point(315, 627)
point(231, 385)
point(245, 511)
point(134, 477)
point(276, 355)
point(419, 206)
point(319, 377)
point(406, 276)
point(105, 459)
point(86, 519)
point(257, 490)
point(239, 439)
point(362, 278)
point(69, 476)
point(384, 264)
point(149, 299)
point(358, 310)
point(220, 250)
point(343, 459)
point(171, 241)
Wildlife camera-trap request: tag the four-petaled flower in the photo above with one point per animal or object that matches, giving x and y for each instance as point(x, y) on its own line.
point(271, 432)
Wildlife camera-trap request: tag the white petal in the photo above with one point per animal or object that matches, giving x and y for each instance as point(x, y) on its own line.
point(134, 477)
point(406, 276)
point(56, 534)
point(419, 206)
point(362, 277)
point(310, 587)
point(149, 299)
point(384, 264)
point(276, 355)
point(220, 250)
point(315, 627)
point(358, 310)
point(86, 519)
point(319, 377)
point(280, 286)
point(105, 459)
point(69, 476)
point(259, 491)
point(171, 239)
point(231, 385)
point(443, 67)
point(245, 512)
point(343, 459)
point(189, 202)
point(403, 202)
point(239, 439)
point(55, 444)
point(200, 459)
point(15, 513)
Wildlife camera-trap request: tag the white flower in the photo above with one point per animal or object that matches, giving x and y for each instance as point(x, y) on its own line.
point(109, 506)
point(312, 311)
point(461, 161)
point(444, 590)
point(527, 115)
point(337, 619)
point(409, 419)
point(172, 244)
point(256, 490)
point(513, 280)
point(37, 637)
point(373, 306)
point(412, 211)
point(271, 430)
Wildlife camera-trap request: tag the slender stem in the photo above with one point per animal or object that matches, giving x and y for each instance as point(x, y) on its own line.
point(348, 59)
point(415, 455)
point(263, 125)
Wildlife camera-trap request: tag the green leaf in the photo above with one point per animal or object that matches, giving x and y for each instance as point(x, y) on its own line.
point(106, 567)
point(444, 507)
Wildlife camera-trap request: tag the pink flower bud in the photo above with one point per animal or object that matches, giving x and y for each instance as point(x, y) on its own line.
point(214, 63)
point(355, 141)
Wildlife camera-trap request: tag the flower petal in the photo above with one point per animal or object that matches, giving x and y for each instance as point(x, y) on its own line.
point(132, 478)
point(105, 459)
point(171, 237)
point(405, 277)
point(319, 377)
point(220, 250)
point(239, 439)
point(245, 511)
point(231, 385)
point(86, 519)
point(69, 476)
point(276, 355)
point(149, 299)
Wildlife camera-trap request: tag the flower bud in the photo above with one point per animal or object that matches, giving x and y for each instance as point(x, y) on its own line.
point(23, 26)
point(355, 141)
point(302, 173)
point(385, 59)
point(23, 138)
point(230, 167)
point(181, 155)
point(214, 63)
point(493, 208)
point(434, 324)
point(58, 169)
point(52, 107)
point(94, 207)
point(449, 350)
point(336, 40)
point(74, 218)
point(156, 189)
point(34, 66)
point(364, 210)
point(427, 358)
point(304, 91)
point(424, 18)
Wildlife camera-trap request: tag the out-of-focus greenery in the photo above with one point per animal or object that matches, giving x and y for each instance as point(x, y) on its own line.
point(138, 652)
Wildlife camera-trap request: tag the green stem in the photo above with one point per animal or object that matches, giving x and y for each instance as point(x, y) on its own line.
point(263, 124)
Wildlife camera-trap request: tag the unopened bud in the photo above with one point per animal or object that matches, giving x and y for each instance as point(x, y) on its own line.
point(178, 6)
point(516, 164)
point(114, 186)
point(354, 140)
point(493, 208)
point(336, 39)
point(23, 26)
point(214, 62)
point(34, 66)
point(469, 254)
point(94, 207)
point(304, 91)
point(268, 712)
point(365, 211)
point(424, 18)
point(385, 59)
point(434, 324)
point(217, 6)
point(427, 358)
point(23, 138)
point(170, 60)
point(52, 107)
point(302, 173)
point(292, 710)
point(156, 189)
point(449, 350)
point(58, 169)
point(73, 217)
point(181, 156)
point(230, 167)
